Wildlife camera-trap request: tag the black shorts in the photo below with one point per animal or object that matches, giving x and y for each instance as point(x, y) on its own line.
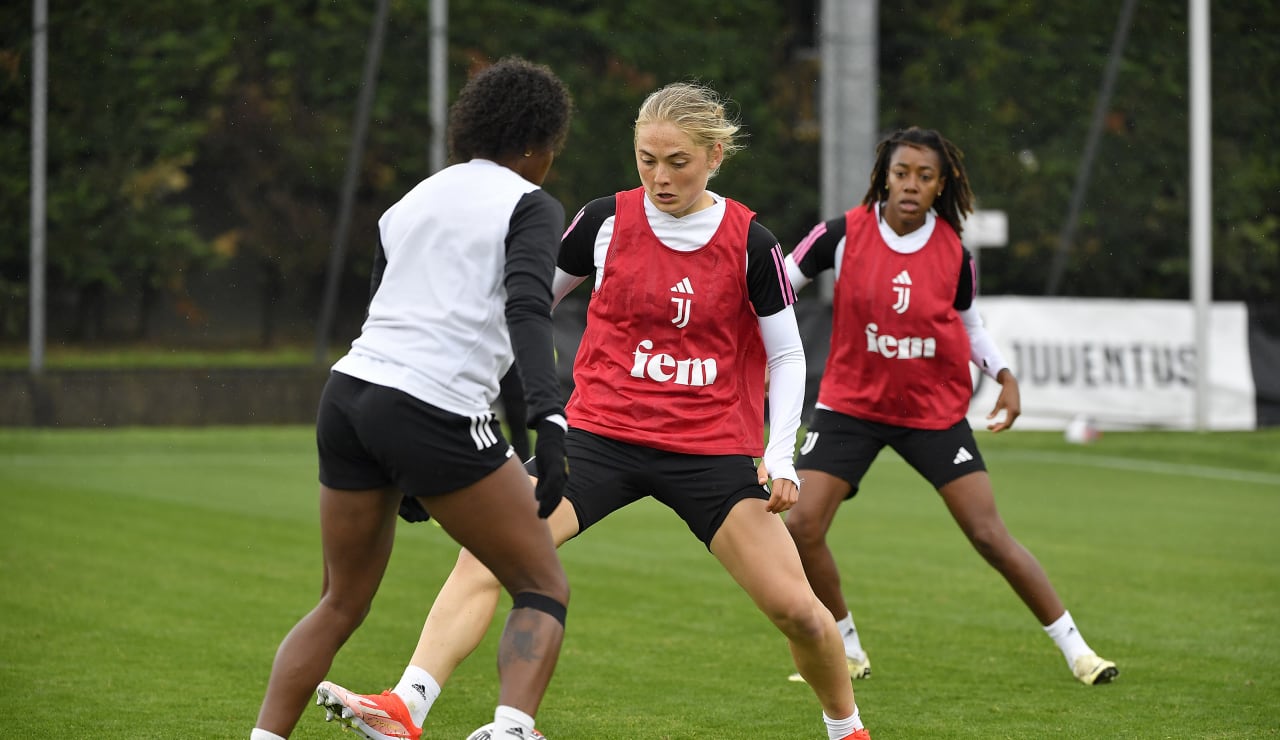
point(845, 446)
point(372, 436)
point(606, 475)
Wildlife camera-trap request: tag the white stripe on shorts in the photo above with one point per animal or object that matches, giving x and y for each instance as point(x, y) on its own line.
point(481, 434)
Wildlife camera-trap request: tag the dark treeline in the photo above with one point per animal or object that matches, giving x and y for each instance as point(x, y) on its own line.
point(196, 148)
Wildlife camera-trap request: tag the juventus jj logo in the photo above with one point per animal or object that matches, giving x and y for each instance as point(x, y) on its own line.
point(902, 287)
point(810, 441)
point(684, 306)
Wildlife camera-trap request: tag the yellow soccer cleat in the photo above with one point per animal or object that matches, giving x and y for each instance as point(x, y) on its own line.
point(1092, 670)
point(859, 667)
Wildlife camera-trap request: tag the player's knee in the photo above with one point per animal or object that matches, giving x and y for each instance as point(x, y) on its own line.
point(549, 581)
point(802, 618)
point(475, 574)
point(345, 614)
point(990, 541)
point(806, 531)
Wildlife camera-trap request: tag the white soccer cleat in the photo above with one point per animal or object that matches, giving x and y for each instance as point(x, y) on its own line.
point(486, 733)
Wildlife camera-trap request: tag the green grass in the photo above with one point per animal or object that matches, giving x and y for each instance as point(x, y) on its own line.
point(78, 357)
point(146, 577)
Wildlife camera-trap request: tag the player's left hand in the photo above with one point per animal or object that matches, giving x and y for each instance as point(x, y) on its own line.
point(1009, 401)
point(783, 494)
point(552, 466)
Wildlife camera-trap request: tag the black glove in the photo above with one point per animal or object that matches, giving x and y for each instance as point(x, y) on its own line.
point(411, 510)
point(553, 468)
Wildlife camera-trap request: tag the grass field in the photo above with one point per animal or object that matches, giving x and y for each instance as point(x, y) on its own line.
point(75, 357)
point(146, 577)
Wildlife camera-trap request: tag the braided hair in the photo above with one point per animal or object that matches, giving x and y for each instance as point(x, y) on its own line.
point(956, 199)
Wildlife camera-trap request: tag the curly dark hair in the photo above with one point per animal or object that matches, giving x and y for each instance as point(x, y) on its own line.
point(957, 197)
point(509, 107)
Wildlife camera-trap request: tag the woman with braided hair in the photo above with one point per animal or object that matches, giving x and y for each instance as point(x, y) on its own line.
point(904, 330)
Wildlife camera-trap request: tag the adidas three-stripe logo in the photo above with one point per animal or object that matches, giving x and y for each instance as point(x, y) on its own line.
point(481, 433)
point(962, 456)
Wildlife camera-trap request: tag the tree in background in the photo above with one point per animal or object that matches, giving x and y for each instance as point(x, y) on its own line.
point(266, 179)
point(127, 86)
point(1014, 85)
point(200, 142)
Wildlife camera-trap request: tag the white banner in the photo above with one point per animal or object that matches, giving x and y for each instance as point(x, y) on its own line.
point(1126, 364)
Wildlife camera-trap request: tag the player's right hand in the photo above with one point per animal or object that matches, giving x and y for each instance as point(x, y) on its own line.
point(552, 466)
point(1008, 405)
point(783, 492)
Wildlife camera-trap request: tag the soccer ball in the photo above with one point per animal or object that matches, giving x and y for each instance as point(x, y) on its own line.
point(1081, 431)
point(486, 733)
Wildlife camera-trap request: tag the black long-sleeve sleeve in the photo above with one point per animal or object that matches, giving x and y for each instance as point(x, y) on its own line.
point(533, 241)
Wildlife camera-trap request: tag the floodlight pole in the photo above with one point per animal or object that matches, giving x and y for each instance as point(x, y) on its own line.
point(439, 71)
point(1201, 199)
point(849, 45)
point(39, 142)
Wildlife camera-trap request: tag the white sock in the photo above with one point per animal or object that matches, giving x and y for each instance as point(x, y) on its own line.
point(842, 728)
point(506, 719)
point(849, 632)
point(418, 690)
point(1067, 638)
point(260, 734)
